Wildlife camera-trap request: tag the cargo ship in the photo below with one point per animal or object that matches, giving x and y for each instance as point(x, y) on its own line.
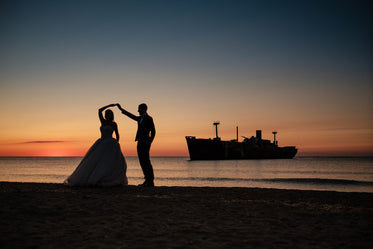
point(249, 148)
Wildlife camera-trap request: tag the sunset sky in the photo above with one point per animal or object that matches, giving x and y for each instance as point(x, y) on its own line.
point(302, 68)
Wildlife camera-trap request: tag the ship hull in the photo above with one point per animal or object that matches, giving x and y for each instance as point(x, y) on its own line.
point(215, 149)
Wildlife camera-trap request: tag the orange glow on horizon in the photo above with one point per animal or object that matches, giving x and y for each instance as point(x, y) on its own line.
point(175, 148)
point(170, 139)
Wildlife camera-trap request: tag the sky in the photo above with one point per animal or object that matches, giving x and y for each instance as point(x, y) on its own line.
point(302, 68)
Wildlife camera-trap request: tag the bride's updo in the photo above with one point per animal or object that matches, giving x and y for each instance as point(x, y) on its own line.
point(109, 115)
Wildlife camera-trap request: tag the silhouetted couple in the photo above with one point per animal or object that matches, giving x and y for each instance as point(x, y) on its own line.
point(104, 163)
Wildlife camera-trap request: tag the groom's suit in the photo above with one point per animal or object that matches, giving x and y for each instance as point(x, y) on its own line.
point(144, 136)
point(145, 126)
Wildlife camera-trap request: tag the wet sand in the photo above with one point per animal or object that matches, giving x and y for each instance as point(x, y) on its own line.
point(35, 215)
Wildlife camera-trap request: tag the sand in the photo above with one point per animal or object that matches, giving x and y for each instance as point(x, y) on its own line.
point(35, 215)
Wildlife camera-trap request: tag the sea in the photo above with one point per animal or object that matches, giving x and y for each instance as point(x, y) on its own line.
point(343, 174)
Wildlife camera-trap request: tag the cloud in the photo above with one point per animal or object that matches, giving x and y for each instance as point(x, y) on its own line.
point(42, 142)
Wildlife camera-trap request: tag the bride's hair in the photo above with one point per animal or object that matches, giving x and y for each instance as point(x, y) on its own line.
point(109, 115)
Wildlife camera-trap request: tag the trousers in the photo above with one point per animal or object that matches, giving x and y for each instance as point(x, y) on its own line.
point(143, 148)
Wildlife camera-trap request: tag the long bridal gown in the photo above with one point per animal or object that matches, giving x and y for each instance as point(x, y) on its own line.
point(103, 165)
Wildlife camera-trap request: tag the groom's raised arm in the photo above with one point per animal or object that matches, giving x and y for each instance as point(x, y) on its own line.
point(128, 114)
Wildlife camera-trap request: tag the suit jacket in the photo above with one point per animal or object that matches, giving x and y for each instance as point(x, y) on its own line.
point(145, 129)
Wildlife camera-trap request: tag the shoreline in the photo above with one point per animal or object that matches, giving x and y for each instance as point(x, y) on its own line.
point(51, 215)
point(339, 190)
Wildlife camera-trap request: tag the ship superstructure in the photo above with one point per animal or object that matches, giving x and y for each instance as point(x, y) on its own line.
point(250, 148)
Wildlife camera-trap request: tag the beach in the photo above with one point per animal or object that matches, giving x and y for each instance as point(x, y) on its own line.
point(41, 215)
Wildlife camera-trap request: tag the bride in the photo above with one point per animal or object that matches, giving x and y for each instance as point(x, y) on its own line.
point(104, 163)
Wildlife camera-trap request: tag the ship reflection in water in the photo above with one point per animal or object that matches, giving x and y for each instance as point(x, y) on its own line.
point(249, 148)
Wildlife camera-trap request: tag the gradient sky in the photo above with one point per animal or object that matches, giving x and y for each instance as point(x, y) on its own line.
point(303, 68)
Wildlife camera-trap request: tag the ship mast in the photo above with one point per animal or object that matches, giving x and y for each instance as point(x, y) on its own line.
point(274, 138)
point(237, 133)
point(216, 128)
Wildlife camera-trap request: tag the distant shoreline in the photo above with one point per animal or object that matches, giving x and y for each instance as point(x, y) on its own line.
point(48, 215)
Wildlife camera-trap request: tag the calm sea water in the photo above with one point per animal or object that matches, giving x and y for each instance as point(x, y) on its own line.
point(307, 173)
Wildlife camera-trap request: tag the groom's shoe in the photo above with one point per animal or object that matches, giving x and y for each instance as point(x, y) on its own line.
point(141, 185)
point(147, 184)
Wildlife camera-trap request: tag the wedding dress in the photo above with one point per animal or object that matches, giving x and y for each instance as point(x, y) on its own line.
point(103, 165)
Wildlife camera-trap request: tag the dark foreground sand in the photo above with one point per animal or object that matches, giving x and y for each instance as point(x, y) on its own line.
point(55, 216)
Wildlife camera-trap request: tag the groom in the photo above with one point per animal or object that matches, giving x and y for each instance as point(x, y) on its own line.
point(144, 137)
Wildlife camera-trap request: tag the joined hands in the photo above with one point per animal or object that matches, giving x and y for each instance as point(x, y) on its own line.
point(118, 105)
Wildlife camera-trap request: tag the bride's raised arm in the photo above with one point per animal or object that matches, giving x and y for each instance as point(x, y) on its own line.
point(102, 119)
